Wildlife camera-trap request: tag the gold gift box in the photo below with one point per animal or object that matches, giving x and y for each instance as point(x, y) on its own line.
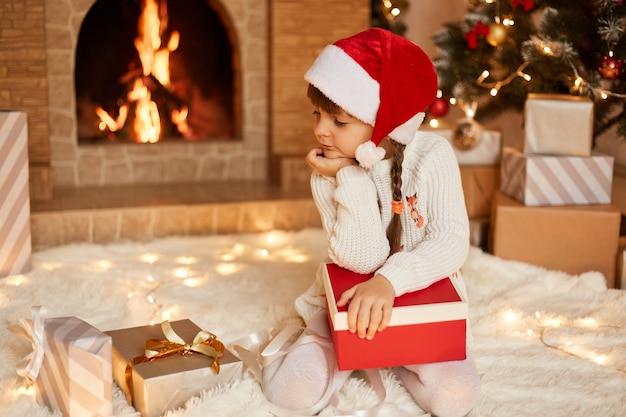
point(168, 382)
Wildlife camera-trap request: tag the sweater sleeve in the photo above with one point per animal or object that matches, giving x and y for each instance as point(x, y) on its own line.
point(350, 215)
point(439, 247)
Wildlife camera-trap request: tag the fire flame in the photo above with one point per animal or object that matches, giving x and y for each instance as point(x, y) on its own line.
point(155, 63)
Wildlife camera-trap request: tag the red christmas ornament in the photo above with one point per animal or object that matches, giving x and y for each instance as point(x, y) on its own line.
point(610, 67)
point(439, 107)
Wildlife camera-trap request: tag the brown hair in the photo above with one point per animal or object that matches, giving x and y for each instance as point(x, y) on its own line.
point(320, 100)
point(394, 231)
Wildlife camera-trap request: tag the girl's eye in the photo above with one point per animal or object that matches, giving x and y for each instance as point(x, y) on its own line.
point(339, 123)
point(316, 113)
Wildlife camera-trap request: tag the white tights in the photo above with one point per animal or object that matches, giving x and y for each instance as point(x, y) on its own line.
point(444, 389)
point(299, 380)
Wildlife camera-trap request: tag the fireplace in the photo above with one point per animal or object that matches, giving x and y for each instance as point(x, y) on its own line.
point(152, 70)
point(227, 101)
point(272, 42)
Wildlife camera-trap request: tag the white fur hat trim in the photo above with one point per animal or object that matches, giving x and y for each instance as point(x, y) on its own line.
point(346, 83)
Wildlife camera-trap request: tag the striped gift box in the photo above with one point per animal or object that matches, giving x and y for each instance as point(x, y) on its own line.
point(15, 243)
point(76, 375)
point(555, 180)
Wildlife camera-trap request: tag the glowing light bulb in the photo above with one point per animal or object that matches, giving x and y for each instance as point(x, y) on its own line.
point(149, 258)
point(510, 315)
point(181, 273)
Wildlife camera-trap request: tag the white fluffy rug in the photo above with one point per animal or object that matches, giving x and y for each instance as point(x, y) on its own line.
point(546, 343)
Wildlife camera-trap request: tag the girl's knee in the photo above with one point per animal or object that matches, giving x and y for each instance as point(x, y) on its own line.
point(455, 399)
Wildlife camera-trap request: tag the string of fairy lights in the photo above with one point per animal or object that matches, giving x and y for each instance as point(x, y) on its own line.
point(230, 261)
point(496, 33)
point(539, 324)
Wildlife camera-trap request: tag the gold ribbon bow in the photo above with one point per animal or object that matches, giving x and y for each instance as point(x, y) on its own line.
point(204, 342)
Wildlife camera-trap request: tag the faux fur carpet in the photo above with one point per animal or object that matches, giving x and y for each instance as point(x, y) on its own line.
point(546, 343)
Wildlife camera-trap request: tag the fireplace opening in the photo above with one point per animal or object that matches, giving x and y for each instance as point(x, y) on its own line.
point(148, 71)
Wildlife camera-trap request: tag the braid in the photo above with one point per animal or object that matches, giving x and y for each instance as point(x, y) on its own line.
point(394, 231)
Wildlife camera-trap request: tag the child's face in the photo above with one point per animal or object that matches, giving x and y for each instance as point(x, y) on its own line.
point(340, 134)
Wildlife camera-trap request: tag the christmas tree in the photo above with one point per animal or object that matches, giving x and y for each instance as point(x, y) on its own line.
point(503, 50)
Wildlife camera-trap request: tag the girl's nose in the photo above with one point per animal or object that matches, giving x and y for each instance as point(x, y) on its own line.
point(321, 128)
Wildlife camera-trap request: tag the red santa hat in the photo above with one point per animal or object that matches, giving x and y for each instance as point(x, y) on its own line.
point(381, 79)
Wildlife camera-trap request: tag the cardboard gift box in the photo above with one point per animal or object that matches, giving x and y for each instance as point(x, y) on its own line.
point(559, 124)
point(620, 275)
point(573, 239)
point(15, 250)
point(536, 180)
point(74, 374)
point(426, 326)
point(479, 232)
point(479, 183)
point(155, 386)
point(486, 151)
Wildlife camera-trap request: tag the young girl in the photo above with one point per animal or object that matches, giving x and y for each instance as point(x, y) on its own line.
point(403, 217)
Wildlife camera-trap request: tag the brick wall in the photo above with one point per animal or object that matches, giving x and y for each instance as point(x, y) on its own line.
point(23, 84)
point(299, 31)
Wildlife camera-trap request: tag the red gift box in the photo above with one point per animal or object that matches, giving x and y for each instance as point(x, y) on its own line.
point(426, 326)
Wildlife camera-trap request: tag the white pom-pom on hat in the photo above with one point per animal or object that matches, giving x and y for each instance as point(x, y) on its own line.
point(368, 154)
point(381, 79)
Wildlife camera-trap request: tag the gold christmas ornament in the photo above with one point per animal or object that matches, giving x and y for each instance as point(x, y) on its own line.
point(497, 34)
point(467, 134)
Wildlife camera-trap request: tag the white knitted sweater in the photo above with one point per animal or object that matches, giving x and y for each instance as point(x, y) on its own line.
point(355, 209)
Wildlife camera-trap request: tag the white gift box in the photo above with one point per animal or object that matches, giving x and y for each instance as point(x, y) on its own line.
point(486, 151)
point(558, 124)
point(15, 239)
point(554, 180)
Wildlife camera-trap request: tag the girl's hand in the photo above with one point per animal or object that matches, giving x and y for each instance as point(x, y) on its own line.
point(369, 306)
point(326, 166)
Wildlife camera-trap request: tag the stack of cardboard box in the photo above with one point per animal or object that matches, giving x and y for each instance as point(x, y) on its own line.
point(554, 207)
